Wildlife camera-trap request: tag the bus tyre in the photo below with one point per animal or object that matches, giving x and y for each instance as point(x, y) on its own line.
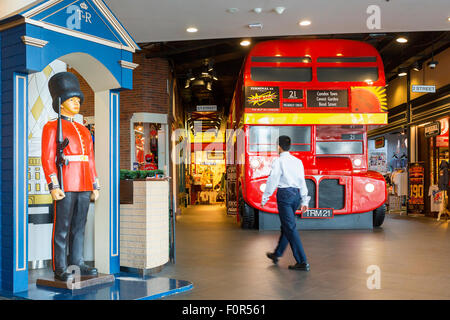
point(378, 215)
point(246, 215)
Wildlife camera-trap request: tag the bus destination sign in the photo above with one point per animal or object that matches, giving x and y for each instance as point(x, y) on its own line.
point(327, 98)
point(262, 97)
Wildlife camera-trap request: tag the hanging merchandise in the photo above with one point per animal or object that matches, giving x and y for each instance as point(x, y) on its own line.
point(443, 175)
point(400, 180)
point(436, 198)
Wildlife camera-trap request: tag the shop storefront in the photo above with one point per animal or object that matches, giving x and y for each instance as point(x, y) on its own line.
point(388, 154)
point(206, 169)
point(425, 175)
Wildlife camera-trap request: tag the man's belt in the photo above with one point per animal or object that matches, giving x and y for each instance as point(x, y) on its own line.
point(79, 158)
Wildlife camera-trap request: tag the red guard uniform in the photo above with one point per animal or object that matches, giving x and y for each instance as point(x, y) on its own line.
point(80, 174)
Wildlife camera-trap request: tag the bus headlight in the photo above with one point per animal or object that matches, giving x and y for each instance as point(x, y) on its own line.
point(370, 187)
point(262, 187)
point(255, 163)
point(357, 162)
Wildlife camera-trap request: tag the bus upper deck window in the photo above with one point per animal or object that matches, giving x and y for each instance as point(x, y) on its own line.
point(342, 74)
point(281, 74)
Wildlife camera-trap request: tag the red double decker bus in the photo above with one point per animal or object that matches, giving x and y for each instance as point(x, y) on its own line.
point(322, 94)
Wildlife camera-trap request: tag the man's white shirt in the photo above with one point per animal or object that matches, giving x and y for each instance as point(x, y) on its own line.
point(287, 172)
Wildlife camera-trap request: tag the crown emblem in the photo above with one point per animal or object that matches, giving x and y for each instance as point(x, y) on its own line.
point(83, 6)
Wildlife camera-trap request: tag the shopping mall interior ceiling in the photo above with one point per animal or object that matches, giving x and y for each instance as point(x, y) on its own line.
point(227, 56)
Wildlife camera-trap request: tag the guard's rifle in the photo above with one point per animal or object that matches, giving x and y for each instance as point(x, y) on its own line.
point(61, 144)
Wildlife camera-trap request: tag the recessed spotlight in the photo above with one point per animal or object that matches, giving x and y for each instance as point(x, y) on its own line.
point(279, 10)
point(339, 54)
point(257, 10)
point(256, 25)
point(448, 19)
point(245, 43)
point(192, 29)
point(233, 10)
point(417, 66)
point(401, 40)
point(402, 72)
point(304, 23)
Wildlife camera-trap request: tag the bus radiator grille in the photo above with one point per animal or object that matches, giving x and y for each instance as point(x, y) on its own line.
point(331, 194)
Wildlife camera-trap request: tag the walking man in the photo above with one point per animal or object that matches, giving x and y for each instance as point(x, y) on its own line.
point(288, 175)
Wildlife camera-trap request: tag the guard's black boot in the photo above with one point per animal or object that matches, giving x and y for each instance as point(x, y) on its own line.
point(63, 275)
point(85, 270)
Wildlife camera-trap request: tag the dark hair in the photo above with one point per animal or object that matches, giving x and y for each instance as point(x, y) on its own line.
point(284, 142)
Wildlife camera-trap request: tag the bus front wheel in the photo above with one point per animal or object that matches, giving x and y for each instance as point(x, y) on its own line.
point(378, 215)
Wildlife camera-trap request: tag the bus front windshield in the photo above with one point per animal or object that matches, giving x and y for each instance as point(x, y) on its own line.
point(265, 138)
point(345, 139)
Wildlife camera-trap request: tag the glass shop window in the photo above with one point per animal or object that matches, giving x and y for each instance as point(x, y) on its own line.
point(146, 145)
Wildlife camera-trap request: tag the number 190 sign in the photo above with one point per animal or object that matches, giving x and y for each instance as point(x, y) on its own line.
point(416, 183)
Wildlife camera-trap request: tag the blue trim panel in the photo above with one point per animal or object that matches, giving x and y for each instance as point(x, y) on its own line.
point(114, 99)
point(20, 190)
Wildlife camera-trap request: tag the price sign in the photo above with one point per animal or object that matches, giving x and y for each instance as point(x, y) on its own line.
point(416, 183)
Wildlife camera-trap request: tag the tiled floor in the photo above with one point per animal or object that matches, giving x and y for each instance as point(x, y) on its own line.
point(226, 262)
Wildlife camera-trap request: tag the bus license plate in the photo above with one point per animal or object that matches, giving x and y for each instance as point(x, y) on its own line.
point(318, 213)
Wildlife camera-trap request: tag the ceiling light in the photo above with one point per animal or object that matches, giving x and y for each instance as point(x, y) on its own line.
point(417, 66)
point(245, 43)
point(339, 54)
point(401, 40)
point(255, 25)
point(304, 23)
point(192, 29)
point(448, 19)
point(233, 10)
point(257, 10)
point(279, 10)
point(432, 64)
point(190, 75)
point(402, 72)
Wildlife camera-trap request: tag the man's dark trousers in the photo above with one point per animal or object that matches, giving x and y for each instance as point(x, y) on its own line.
point(288, 201)
point(69, 225)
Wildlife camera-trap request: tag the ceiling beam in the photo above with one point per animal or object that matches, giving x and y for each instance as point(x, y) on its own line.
point(184, 49)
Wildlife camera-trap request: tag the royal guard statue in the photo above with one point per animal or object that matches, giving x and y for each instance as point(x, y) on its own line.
point(72, 178)
point(150, 162)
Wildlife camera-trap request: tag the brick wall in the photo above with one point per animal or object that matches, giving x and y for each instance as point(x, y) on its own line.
point(88, 107)
point(149, 94)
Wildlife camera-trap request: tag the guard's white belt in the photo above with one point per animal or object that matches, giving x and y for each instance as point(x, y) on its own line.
point(80, 158)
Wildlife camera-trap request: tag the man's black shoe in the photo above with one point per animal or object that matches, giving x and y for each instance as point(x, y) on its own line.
point(63, 275)
point(300, 266)
point(272, 256)
point(85, 270)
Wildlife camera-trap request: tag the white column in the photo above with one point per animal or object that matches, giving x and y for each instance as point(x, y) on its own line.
point(102, 205)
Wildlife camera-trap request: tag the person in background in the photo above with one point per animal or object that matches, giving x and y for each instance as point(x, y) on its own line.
point(288, 176)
